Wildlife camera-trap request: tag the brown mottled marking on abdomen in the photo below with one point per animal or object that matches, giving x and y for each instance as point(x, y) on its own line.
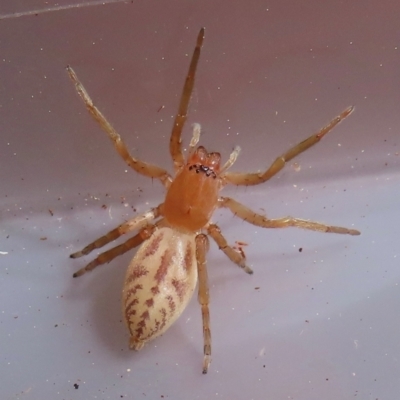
point(133, 291)
point(163, 313)
point(130, 309)
point(154, 244)
point(137, 272)
point(171, 304)
point(149, 302)
point(139, 333)
point(180, 287)
point(145, 315)
point(188, 258)
point(162, 270)
point(155, 290)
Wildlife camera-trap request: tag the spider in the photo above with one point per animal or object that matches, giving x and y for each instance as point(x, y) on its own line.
point(163, 274)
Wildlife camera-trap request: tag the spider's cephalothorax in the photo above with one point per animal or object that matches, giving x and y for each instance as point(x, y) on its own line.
point(162, 276)
point(193, 195)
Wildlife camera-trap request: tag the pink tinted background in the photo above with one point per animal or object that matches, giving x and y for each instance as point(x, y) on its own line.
point(323, 323)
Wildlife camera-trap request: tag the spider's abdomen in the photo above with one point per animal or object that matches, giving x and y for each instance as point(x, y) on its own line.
point(158, 285)
point(192, 197)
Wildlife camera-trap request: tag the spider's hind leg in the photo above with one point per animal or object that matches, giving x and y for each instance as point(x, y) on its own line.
point(251, 217)
point(116, 251)
point(137, 222)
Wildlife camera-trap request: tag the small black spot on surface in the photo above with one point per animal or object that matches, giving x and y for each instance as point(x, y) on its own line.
point(76, 386)
point(300, 249)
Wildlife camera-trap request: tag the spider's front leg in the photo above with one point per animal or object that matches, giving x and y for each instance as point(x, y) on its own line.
point(175, 144)
point(202, 245)
point(250, 216)
point(237, 178)
point(146, 169)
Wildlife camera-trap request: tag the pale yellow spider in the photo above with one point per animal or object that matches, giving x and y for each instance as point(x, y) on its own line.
point(162, 276)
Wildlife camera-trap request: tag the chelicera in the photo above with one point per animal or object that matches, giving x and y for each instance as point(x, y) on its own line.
point(163, 274)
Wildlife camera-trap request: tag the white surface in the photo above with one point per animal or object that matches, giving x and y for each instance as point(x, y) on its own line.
point(324, 322)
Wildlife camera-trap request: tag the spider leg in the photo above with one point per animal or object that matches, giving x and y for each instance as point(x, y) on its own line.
point(195, 139)
point(232, 159)
point(204, 296)
point(146, 169)
point(116, 251)
point(175, 144)
point(239, 259)
point(260, 220)
point(137, 222)
point(256, 178)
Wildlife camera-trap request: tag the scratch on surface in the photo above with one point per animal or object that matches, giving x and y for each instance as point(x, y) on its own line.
point(58, 8)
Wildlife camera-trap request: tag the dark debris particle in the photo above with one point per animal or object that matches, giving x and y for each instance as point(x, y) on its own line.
point(76, 386)
point(300, 249)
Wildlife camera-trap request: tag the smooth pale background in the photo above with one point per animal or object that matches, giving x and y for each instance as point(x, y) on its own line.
point(318, 324)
